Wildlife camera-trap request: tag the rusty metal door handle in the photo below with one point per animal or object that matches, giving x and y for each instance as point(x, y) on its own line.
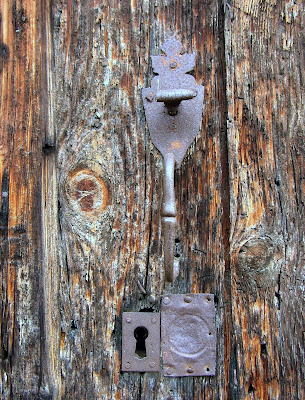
point(173, 107)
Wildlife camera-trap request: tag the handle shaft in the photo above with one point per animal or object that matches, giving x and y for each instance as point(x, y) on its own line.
point(169, 203)
point(169, 212)
point(169, 229)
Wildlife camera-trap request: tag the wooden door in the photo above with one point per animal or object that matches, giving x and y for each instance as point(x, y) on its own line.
point(82, 183)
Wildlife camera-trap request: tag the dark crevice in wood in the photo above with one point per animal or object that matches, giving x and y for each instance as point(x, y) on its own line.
point(43, 333)
point(48, 149)
point(222, 87)
point(147, 309)
point(264, 352)
point(234, 385)
point(222, 93)
point(4, 211)
point(148, 249)
point(4, 52)
point(6, 357)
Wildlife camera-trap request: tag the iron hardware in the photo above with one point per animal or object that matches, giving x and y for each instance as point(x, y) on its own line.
point(173, 108)
point(141, 341)
point(188, 335)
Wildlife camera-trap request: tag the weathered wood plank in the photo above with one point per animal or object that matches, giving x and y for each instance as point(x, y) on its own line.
point(22, 74)
point(110, 181)
point(265, 67)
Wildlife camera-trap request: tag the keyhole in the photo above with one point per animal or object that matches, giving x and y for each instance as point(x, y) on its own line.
point(140, 334)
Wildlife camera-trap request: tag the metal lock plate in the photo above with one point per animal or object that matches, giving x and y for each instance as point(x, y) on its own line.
point(141, 342)
point(188, 335)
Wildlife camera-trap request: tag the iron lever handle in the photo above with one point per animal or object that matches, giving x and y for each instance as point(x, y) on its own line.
point(173, 97)
point(174, 131)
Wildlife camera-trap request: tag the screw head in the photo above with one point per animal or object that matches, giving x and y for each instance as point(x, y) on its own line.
point(153, 320)
point(190, 370)
point(152, 364)
point(166, 300)
point(150, 96)
point(187, 299)
point(128, 320)
point(151, 299)
point(173, 65)
point(127, 365)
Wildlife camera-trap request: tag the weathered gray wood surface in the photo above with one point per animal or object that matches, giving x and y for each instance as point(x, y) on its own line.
point(265, 92)
point(82, 184)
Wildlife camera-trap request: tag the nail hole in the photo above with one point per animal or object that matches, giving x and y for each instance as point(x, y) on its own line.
point(73, 325)
point(251, 388)
point(264, 351)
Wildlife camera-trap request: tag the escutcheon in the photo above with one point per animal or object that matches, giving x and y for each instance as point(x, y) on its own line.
point(141, 342)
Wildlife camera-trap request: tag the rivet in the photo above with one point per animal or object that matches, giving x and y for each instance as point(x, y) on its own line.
point(152, 364)
point(173, 65)
point(150, 96)
point(169, 371)
point(153, 320)
point(190, 370)
point(187, 299)
point(128, 320)
point(127, 365)
point(151, 299)
point(166, 300)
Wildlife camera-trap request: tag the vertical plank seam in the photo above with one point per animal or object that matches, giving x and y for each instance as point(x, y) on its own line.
point(50, 273)
point(223, 16)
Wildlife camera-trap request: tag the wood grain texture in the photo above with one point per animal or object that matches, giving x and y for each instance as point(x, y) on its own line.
point(265, 82)
point(21, 75)
point(78, 162)
point(110, 186)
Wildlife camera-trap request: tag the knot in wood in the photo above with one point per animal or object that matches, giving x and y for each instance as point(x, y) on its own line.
point(87, 191)
point(258, 262)
point(255, 255)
